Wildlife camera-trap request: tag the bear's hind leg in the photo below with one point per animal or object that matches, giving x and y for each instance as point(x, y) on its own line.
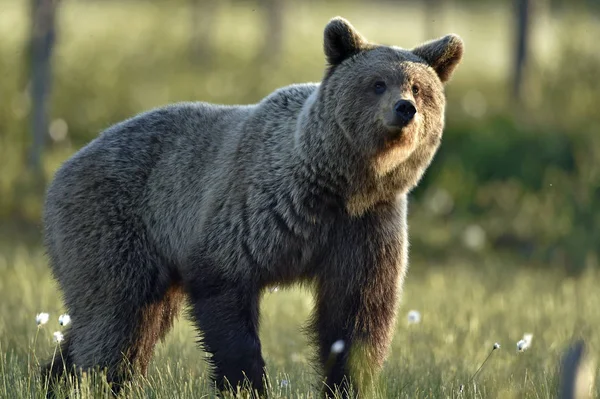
point(159, 317)
point(113, 343)
point(122, 342)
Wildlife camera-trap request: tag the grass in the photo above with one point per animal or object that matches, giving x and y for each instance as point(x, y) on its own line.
point(466, 307)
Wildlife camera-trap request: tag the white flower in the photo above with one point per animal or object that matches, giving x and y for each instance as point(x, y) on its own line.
point(474, 237)
point(414, 317)
point(64, 319)
point(496, 346)
point(525, 343)
point(58, 337)
point(338, 346)
point(42, 318)
point(284, 383)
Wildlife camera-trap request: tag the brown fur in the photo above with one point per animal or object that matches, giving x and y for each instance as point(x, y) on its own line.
point(157, 320)
point(219, 202)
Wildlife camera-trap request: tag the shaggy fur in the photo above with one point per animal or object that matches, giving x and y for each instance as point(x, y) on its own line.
point(214, 203)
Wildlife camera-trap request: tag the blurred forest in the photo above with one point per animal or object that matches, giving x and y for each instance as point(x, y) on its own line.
point(518, 170)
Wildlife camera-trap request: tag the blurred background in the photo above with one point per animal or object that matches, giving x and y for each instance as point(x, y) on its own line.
point(518, 173)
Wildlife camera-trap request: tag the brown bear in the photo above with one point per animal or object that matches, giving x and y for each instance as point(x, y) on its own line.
point(215, 203)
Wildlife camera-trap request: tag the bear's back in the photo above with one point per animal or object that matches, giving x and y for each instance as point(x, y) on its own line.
point(107, 180)
point(243, 153)
point(138, 143)
point(165, 167)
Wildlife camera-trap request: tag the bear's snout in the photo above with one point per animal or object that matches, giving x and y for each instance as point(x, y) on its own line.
point(404, 111)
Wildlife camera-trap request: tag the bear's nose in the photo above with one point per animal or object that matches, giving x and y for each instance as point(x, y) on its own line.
point(405, 111)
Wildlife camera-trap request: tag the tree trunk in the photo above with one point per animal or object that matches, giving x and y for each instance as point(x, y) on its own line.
point(274, 13)
point(432, 18)
point(202, 14)
point(523, 10)
point(43, 36)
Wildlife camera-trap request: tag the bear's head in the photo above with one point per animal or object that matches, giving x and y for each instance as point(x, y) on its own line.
point(388, 102)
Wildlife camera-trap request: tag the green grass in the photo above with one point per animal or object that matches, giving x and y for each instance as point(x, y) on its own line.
point(466, 307)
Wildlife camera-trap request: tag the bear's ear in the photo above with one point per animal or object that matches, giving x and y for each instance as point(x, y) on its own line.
point(341, 41)
point(443, 54)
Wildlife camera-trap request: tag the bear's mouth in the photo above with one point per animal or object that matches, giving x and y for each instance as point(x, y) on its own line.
point(396, 150)
point(398, 137)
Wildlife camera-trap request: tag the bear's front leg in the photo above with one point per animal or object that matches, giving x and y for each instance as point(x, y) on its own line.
point(227, 315)
point(357, 293)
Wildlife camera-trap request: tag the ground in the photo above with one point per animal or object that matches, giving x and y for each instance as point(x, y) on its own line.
point(466, 306)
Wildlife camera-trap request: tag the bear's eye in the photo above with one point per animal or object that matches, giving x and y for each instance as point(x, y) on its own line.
point(379, 87)
point(415, 90)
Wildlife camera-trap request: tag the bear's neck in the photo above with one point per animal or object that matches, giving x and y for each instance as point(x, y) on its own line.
point(326, 157)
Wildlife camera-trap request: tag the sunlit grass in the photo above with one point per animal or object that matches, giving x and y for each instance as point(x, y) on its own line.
point(465, 307)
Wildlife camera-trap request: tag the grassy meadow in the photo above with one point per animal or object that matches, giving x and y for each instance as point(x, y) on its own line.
point(466, 306)
point(115, 59)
